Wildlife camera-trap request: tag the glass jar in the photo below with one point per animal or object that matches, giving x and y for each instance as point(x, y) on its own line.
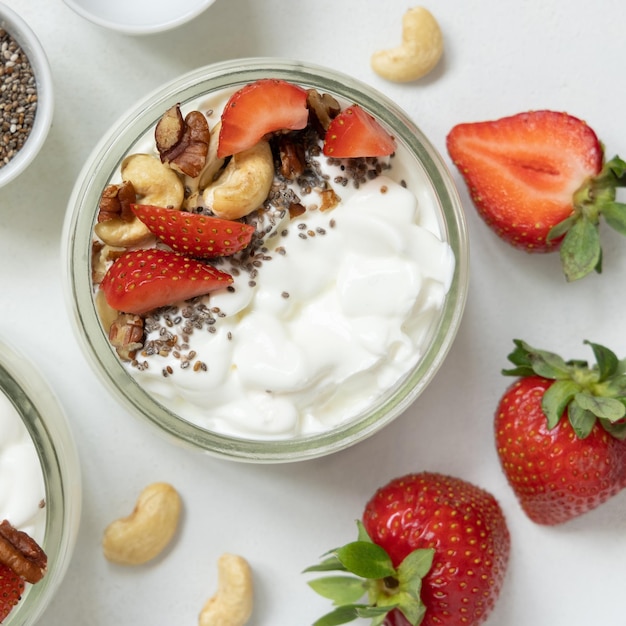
point(47, 426)
point(424, 163)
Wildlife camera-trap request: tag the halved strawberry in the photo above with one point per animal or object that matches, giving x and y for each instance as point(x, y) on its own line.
point(262, 107)
point(142, 280)
point(537, 179)
point(355, 133)
point(11, 590)
point(199, 236)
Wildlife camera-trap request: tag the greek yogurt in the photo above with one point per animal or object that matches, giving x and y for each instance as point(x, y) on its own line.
point(325, 317)
point(22, 488)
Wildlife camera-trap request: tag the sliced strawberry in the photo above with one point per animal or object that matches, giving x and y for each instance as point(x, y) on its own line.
point(262, 107)
point(355, 133)
point(199, 236)
point(11, 590)
point(536, 177)
point(142, 280)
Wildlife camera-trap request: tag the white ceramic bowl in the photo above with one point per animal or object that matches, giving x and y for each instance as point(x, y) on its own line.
point(28, 42)
point(139, 17)
point(422, 161)
point(47, 425)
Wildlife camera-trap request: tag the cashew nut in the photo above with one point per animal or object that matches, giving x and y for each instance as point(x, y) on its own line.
point(122, 234)
point(155, 183)
point(420, 51)
point(244, 184)
point(145, 533)
point(232, 604)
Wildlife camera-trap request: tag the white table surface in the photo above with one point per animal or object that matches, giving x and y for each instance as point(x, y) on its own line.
point(498, 61)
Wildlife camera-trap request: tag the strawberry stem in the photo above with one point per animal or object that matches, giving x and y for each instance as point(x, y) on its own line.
point(580, 251)
point(366, 569)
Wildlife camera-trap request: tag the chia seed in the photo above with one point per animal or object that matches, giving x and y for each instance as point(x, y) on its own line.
point(18, 98)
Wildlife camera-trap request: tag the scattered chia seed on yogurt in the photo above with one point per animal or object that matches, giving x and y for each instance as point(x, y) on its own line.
point(18, 97)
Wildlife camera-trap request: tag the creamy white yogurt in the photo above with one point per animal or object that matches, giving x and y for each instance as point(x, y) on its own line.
point(338, 311)
point(22, 487)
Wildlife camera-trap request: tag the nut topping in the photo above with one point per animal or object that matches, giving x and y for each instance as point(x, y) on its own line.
point(22, 553)
point(126, 335)
point(323, 108)
point(292, 159)
point(329, 199)
point(183, 143)
point(115, 202)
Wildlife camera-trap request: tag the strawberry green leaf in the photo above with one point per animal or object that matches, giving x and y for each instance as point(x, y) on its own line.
point(330, 564)
point(377, 612)
point(416, 564)
point(366, 559)
point(341, 615)
point(556, 399)
point(350, 612)
point(362, 533)
point(560, 229)
point(606, 359)
point(580, 250)
point(613, 173)
point(602, 407)
point(613, 387)
point(413, 611)
point(615, 215)
point(531, 361)
point(582, 420)
point(340, 589)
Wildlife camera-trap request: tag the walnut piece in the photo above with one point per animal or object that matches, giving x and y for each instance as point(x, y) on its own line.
point(292, 160)
point(169, 131)
point(323, 108)
point(115, 202)
point(126, 335)
point(183, 143)
point(22, 553)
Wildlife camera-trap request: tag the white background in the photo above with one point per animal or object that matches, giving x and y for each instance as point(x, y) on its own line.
point(499, 60)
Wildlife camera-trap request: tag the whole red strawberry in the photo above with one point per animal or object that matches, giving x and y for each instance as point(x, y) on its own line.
point(560, 432)
point(11, 589)
point(539, 180)
point(433, 550)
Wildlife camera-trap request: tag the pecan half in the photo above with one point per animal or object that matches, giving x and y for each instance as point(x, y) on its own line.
point(183, 143)
point(126, 335)
point(115, 202)
point(323, 108)
point(22, 553)
point(291, 155)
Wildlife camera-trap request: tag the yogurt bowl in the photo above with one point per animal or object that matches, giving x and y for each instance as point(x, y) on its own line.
point(39, 477)
point(338, 317)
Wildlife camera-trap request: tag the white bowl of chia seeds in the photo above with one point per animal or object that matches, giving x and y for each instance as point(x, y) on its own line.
point(26, 95)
